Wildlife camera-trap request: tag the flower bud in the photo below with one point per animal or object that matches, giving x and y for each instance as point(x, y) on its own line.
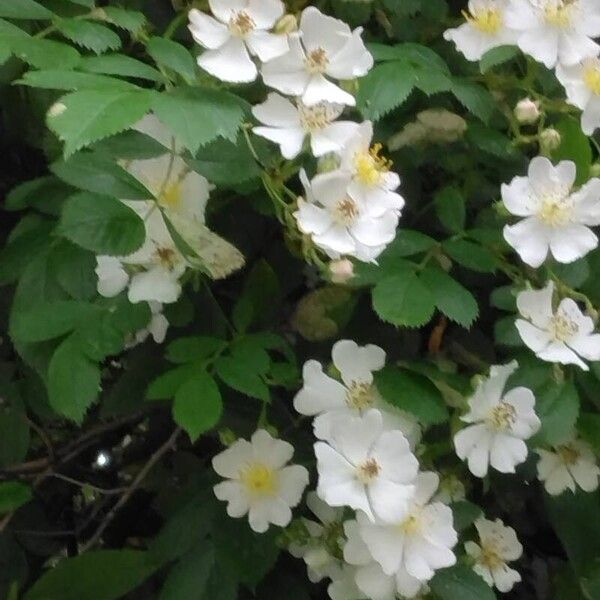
point(287, 24)
point(328, 162)
point(527, 111)
point(549, 140)
point(341, 271)
point(595, 170)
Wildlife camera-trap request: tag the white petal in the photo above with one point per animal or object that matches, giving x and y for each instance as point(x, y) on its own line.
point(590, 119)
point(230, 63)
point(312, 219)
point(374, 583)
point(207, 31)
point(530, 239)
point(586, 203)
point(587, 347)
point(573, 47)
point(356, 363)
point(517, 197)
point(505, 578)
point(292, 483)
point(224, 9)
point(560, 353)
point(289, 140)
point(265, 13)
point(277, 111)
point(269, 450)
point(506, 452)
point(267, 46)
point(319, 89)
point(545, 177)
point(320, 392)
point(234, 494)
point(158, 328)
point(322, 31)
point(536, 305)
point(427, 483)
point(571, 242)
point(352, 61)
point(336, 238)
point(112, 278)
point(332, 138)
point(393, 454)
point(230, 462)
point(375, 231)
point(287, 73)
point(542, 44)
point(389, 500)
point(385, 544)
point(158, 284)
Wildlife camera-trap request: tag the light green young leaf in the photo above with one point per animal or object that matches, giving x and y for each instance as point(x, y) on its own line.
point(93, 36)
point(172, 55)
point(84, 117)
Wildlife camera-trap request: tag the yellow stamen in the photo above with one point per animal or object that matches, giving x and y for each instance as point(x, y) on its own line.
point(488, 20)
point(559, 13)
point(171, 196)
point(317, 61)
point(411, 525)
point(562, 327)
point(490, 556)
point(568, 454)
point(502, 416)
point(368, 471)
point(259, 480)
point(591, 76)
point(360, 396)
point(556, 210)
point(370, 167)
point(241, 24)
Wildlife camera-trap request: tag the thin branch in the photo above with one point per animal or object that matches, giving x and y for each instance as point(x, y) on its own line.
point(82, 484)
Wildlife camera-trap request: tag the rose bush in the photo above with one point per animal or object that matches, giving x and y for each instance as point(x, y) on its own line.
point(300, 299)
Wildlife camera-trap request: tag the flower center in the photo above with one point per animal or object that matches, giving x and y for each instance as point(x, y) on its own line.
point(259, 480)
point(486, 20)
point(591, 75)
point(317, 117)
point(167, 257)
point(346, 211)
point(559, 13)
point(370, 167)
point(171, 196)
point(562, 327)
point(360, 396)
point(368, 471)
point(412, 524)
point(568, 454)
point(502, 416)
point(556, 210)
point(316, 61)
point(490, 556)
point(241, 24)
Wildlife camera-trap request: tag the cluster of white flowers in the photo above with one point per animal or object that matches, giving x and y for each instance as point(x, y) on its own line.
point(558, 33)
point(354, 209)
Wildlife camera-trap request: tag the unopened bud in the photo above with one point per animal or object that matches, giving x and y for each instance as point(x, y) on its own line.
point(549, 140)
point(341, 271)
point(328, 162)
point(227, 437)
point(527, 111)
point(287, 24)
point(595, 170)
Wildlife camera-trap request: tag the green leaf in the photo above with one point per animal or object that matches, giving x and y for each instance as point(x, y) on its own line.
point(190, 349)
point(574, 146)
point(450, 297)
point(416, 55)
point(101, 575)
point(450, 209)
point(101, 224)
point(242, 378)
point(58, 79)
point(84, 117)
point(13, 494)
point(413, 393)
point(166, 385)
point(475, 98)
point(48, 320)
point(119, 64)
point(491, 141)
point(460, 583)
point(497, 56)
point(557, 406)
point(131, 20)
point(93, 36)
point(14, 437)
point(189, 577)
point(73, 268)
point(465, 514)
point(73, 381)
point(471, 255)
point(199, 115)
point(385, 88)
point(198, 405)
point(172, 55)
point(129, 145)
point(97, 173)
point(45, 54)
point(402, 299)
point(23, 9)
point(589, 429)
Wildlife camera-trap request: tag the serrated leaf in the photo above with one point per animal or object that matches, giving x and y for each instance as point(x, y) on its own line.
point(460, 583)
point(242, 378)
point(491, 141)
point(198, 406)
point(24, 9)
point(13, 494)
point(172, 55)
point(93, 36)
point(45, 54)
point(119, 64)
point(131, 20)
point(413, 393)
point(199, 115)
point(82, 118)
point(414, 54)
point(471, 255)
point(190, 349)
point(101, 224)
point(73, 381)
point(575, 146)
point(450, 209)
point(402, 299)
point(497, 56)
point(58, 79)
point(465, 514)
point(430, 81)
point(475, 98)
point(451, 298)
point(557, 406)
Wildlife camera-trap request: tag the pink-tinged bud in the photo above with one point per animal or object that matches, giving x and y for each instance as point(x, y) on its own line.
point(341, 270)
point(527, 111)
point(549, 140)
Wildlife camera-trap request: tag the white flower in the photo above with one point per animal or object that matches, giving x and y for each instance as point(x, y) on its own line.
point(340, 225)
point(498, 546)
point(157, 327)
point(112, 277)
point(556, 31)
point(414, 547)
point(451, 489)
point(317, 555)
point(366, 468)
point(556, 219)
point(484, 29)
point(499, 424)
point(564, 335)
point(368, 575)
point(288, 123)
point(259, 482)
point(322, 47)
point(239, 30)
point(527, 111)
point(341, 271)
point(343, 585)
point(329, 400)
point(570, 465)
point(582, 84)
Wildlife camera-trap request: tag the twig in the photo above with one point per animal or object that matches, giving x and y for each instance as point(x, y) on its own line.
point(82, 484)
point(131, 489)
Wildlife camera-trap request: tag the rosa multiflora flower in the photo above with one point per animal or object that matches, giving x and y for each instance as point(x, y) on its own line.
point(498, 545)
point(239, 29)
point(564, 335)
point(157, 327)
point(556, 219)
point(324, 48)
point(366, 467)
point(499, 424)
point(258, 482)
point(485, 28)
point(568, 466)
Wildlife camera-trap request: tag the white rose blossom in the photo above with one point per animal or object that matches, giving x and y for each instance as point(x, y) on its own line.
point(556, 31)
point(367, 468)
point(567, 467)
point(157, 327)
point(556, 219)
point(323, 48)
point(414, 547)
point(498, 424)
point(498, 545)
point(485, 28)
point(329, 400)
point(258, 481)
point(582, 84)
point(343, 585)
point(239, 31)
point(288, 123)
point(564, 335)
